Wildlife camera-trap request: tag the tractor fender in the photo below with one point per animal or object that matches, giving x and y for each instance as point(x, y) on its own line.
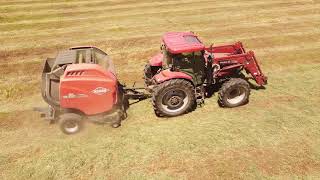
point(156, 60)
point(166, 75)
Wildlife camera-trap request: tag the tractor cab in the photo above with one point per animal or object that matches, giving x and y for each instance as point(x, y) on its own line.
point(184, 52)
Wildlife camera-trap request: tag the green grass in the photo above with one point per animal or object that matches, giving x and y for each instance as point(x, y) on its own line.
point(275, 136)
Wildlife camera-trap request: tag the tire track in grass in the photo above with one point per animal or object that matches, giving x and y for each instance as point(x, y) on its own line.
point(10, 3)
point(142, 54)
point(48, 14)
point(23, 38)
point(101, 5)
point(105, 23)
point(249, 26)
point(89, 4)
point(151, 7)
point(120, 4)
point(10, 30)
point(126, 44)
point(51, 4)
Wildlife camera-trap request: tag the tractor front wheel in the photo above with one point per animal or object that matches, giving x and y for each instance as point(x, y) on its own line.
point(234, 92)
point(173, 98)
point(70, 123)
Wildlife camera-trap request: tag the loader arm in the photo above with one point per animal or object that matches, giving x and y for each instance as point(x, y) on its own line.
point(249, 63)
point(236, 48)
point(236, 55)
point(251, 66)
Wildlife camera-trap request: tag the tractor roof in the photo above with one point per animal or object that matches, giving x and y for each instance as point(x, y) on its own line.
point(180, 42)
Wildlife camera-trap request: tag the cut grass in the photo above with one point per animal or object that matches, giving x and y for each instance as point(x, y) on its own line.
point(275, 136)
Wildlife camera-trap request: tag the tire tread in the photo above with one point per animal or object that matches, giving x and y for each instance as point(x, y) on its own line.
point(228, 84)
point(166, 84)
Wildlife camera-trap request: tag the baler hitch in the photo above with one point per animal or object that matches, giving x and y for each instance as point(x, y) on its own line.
point(136, 93)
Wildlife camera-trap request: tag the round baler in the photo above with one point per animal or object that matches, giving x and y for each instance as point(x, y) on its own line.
point(80, 84)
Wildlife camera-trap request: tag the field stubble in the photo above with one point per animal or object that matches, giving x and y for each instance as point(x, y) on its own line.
point(275, 136)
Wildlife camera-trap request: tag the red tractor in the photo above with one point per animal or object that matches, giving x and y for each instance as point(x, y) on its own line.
point(186, 71)
point(80, 83)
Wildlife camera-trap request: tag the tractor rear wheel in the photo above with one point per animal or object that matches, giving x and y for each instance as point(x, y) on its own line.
point(173, 98)
point(70, 123)
point(234, 92)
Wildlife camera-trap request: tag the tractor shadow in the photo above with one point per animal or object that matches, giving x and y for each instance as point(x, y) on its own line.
point(212, 90)
point(256, 87)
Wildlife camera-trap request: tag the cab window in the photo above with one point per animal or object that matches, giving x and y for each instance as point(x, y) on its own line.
point(102, 59)
point(81, 56)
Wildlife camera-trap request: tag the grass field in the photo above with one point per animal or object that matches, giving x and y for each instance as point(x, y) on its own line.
point(275, 136)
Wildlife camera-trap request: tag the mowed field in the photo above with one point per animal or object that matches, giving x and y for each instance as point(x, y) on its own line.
point(275, 136)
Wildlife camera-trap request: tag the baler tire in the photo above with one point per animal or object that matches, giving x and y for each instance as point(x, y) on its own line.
point(239, 88)
point(70, 119)
point(177, 88)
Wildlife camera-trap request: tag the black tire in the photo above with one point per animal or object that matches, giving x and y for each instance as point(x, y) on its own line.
point(173, 98)
point(234, 93)
point(70, 123)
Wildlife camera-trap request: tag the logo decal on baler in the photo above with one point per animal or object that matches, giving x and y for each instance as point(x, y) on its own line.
point(100, 91)
point(72, 96)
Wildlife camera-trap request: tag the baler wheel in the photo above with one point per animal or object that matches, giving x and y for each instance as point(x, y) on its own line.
point(234, 92)
point(70, 123)
point(173, 98)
